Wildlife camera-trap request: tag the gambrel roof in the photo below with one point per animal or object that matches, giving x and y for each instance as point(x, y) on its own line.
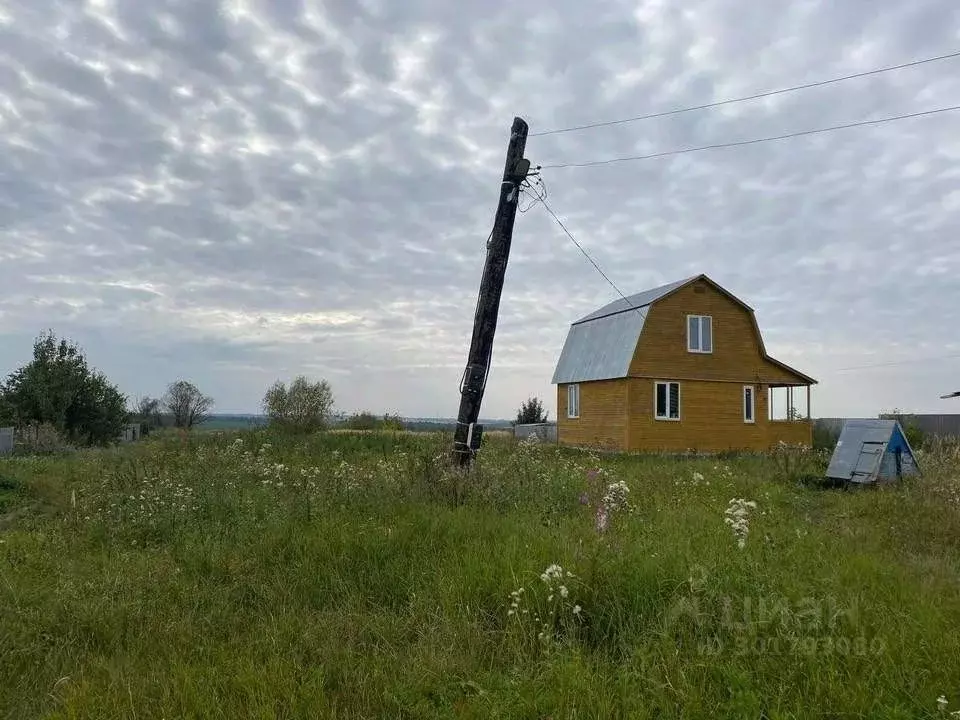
point(600, 345)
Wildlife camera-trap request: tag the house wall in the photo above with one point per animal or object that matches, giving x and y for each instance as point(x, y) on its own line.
point(736, 355)
point(619, 414)
point(603, 415)
point(711, 419)
point(792, 432)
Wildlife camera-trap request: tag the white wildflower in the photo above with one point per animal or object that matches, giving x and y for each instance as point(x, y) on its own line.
point(553, 571)
point(737, 513)
point(616, 496)
point(602, 519)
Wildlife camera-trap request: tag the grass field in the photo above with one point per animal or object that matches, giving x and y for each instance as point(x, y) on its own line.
point(350, 575)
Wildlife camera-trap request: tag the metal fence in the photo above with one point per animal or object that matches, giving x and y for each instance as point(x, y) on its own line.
point(6, 441)
point(933, 424)
point(543, 431)
point(131, 433)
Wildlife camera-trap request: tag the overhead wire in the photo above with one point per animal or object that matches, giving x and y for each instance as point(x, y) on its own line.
point(898, 362)
point(752, 141)
point(745, 98)
point(541, 198)
point(530, 189)
point(617, 289)
point(586, 254)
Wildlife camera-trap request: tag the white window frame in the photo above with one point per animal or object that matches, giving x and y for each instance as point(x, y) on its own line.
point(656, 387)
point(573, 408)
point(753, 404)
point(699, 348)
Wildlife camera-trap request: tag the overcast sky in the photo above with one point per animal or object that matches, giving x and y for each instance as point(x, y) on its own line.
point(236, 192)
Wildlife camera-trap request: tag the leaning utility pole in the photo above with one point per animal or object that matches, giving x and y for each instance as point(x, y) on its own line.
point(466, 437)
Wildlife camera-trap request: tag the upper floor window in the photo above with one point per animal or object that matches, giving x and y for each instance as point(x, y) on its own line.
point(699, 333)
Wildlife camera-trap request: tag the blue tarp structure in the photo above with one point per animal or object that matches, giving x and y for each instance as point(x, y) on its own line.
point(870, 450)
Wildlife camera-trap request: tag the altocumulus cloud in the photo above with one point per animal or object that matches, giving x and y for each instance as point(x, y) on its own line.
point(239, 191)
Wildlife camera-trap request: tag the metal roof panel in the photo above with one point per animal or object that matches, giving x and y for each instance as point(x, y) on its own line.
point(639, 300)
point(600, 349)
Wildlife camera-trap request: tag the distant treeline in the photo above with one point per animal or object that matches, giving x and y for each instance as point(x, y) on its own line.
point(364, 420)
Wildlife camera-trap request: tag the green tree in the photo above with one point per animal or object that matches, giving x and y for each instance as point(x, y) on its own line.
point(393, 422)
point(187, 404)
point(58, 388)
point(7, 412)
point(147, 413)
point(531, 411)
point(303, 407)
point(366, 420)
point(363, 420)
point(915, 434)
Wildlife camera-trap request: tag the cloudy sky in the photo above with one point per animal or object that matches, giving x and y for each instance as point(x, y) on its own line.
point(235, 192)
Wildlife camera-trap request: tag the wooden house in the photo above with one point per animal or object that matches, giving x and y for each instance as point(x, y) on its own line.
point(675, 368)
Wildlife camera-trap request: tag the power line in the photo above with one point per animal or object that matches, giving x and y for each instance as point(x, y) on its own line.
point(563, 227)
point(585, 253)
point(753, 141)
point(614, 286)
point(898, 362)
point(756, 96)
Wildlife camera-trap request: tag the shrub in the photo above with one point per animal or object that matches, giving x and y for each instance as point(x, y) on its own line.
point(58, 388)
point(531, 411)
point(303, 407)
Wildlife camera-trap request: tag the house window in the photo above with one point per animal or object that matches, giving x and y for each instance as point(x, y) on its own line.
point(699, 333)
point(667, 399)
point(573, 401)
point(748, 395)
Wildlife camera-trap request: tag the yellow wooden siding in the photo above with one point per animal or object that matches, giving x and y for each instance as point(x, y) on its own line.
point(736, 351)
point(791, 431)
point(603, 415)
point(711, 420)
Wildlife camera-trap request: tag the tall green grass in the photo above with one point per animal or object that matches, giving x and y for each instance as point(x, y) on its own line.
point(354, 576)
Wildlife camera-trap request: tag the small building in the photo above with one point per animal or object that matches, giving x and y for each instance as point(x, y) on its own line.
point(131, 433)
point(871, 450)
point(545, 431)
point(678, 367)
point(6, 441)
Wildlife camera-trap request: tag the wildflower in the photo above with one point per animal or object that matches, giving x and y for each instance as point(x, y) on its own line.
point(602, 519)
point(737, 518)
point(616, 495)
point(942, 703)
point(577, 609)
point(584, 498)
point(698, 477)
point(553, 571)
point(515, 601)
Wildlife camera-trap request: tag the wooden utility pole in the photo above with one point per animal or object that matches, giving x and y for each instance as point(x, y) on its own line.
point(467, 436)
